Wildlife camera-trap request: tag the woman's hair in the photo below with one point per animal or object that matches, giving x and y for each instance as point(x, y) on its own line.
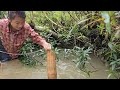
point(12, 14)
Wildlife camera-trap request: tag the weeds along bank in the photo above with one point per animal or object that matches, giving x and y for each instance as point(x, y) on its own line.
point(80, 31)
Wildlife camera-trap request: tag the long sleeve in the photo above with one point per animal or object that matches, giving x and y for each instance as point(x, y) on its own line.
point(1, 26)
point(36, 38)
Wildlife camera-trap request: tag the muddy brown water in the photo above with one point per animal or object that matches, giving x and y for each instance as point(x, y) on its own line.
point(65, 70)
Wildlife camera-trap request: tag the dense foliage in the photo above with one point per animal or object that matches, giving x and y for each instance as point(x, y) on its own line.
point(79, 31)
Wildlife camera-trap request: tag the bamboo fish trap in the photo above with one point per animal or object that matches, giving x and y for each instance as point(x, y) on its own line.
point(51, 65)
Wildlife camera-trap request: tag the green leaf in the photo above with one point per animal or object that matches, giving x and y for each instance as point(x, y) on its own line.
point(78, 64)
point(105, 15)
point(115, 56)
point(113, 66)
point(118, 68)
point(110, 45)
point(108, 28)
point(109, 75)
point(113, 62)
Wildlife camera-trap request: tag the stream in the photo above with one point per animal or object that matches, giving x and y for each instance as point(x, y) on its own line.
point(66, 69)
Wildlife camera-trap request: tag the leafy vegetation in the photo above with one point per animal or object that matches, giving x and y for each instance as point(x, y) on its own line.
point(79, 33)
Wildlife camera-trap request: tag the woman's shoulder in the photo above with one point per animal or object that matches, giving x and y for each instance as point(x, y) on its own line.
point(27, 26)
point(3, 23)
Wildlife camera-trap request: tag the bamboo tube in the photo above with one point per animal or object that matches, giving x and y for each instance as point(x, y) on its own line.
point(51, 65)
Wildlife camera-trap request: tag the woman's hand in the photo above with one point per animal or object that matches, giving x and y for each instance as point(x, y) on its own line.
point(47, 46)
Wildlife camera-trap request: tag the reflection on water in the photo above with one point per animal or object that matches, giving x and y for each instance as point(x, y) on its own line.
point(65, 70)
